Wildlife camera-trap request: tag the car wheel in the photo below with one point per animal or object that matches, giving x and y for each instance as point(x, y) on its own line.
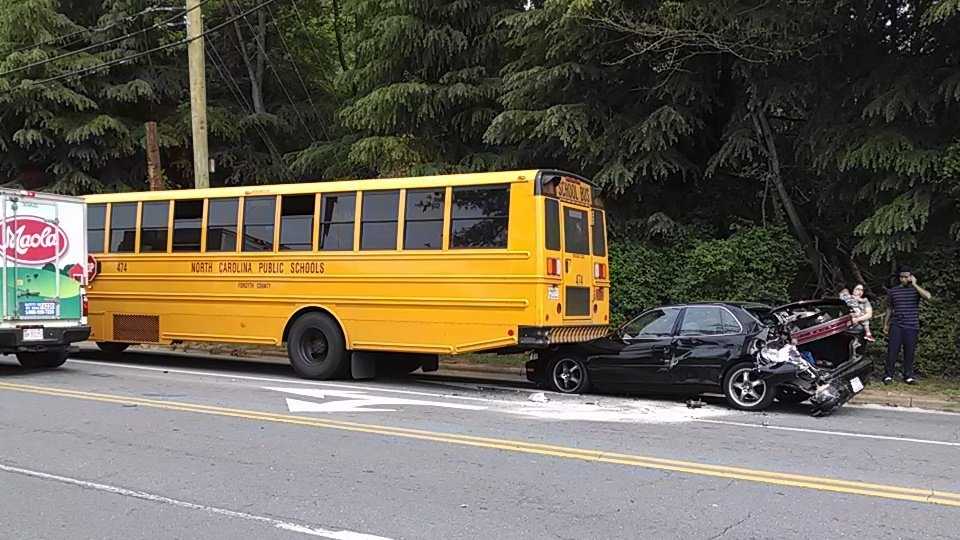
point(567, 375)
point(745, 391)
point(791, 396)
point(316, 347)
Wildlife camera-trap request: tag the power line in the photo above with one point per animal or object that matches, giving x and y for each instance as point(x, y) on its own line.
point(105, 43)
point(238, 94)
point(276, 74)
point(96, 30)
point(313, 43)
point(125, 59)
point(293, 63)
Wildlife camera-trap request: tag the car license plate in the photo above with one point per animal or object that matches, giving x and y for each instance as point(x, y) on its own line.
point(32, 334)
point(856, 384)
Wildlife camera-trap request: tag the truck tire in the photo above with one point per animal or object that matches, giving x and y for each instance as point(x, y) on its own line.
point(42, 360)
point(112, 347)
point(316, 347)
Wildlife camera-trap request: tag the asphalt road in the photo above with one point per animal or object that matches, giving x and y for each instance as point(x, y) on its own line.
point(165, 447)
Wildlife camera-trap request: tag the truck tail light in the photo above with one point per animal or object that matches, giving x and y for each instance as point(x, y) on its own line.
point(553, 266)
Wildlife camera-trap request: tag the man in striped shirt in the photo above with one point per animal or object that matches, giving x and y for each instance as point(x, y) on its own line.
point(903, 322)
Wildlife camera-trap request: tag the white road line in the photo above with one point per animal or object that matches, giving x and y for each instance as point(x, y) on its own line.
point(915, 410)
point(142, 495)
point(473, 385)
point(828, 432)
point(349, 386)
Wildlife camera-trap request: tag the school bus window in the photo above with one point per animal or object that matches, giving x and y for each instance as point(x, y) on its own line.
point(552, 213)
point(296, 222)
point(479, 217)
point(258, 219)
point(96, 221)
point(187, 220)
point(575, 231)
point(378, 220)
point(336, 227)
point(123, 227)
point(423, 220)
point(599, 242)
point(153, 226)
point(222, 224)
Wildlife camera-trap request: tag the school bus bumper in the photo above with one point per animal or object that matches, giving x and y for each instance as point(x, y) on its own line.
point(545, 336)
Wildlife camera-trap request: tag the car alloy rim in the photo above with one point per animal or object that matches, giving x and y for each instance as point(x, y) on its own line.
point(744, 390)
point(568, 375)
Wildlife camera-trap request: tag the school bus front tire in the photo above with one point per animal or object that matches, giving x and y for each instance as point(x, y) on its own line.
point(316, 347)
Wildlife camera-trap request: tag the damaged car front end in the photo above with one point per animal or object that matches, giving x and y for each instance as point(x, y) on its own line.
point(812, 350)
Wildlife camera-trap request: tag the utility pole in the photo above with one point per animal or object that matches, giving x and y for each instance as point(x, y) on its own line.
point(198, 95)
point(153, 158)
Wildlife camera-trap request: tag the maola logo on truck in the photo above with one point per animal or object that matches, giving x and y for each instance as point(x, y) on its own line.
point(28, 240)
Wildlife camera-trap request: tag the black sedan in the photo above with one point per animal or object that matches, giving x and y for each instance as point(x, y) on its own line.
point(708, 348)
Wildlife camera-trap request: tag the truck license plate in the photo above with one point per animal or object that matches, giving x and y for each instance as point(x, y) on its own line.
point(32, 334)
point(856, 384)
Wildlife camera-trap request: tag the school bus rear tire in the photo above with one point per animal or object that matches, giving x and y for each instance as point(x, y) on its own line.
point(112, 347)
point(316, 347)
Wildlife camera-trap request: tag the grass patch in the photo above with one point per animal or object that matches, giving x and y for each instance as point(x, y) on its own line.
point(928, 386)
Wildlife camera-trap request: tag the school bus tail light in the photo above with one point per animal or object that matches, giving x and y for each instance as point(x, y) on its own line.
point(599, 271)
point(553, 266)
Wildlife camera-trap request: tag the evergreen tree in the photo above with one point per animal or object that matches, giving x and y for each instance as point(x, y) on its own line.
point(423, 85)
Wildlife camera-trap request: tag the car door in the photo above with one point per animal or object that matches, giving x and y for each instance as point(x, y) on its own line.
point(643, 359)
point(708, 338)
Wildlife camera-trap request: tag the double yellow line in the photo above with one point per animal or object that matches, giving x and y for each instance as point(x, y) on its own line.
point(718, 471)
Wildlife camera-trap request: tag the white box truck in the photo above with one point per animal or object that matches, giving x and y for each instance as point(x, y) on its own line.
point(43, 241)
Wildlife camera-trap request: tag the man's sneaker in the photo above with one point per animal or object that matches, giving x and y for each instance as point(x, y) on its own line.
point(888, 380)
point(910, 380)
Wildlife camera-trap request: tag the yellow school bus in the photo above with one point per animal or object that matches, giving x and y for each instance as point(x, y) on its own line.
point(343, 272)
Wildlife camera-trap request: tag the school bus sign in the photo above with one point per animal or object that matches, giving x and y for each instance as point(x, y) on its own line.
point(574, 191)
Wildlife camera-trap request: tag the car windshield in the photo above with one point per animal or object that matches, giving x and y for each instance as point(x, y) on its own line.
point(654, 323)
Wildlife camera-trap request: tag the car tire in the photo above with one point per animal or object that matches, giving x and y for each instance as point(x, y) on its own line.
point(791, 396)
point(112, 347)
point(567, 374)
point(743, 391)
point(316, 347)
point(42, 360)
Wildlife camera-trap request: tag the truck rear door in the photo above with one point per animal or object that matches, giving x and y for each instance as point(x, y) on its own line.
point(36, 283)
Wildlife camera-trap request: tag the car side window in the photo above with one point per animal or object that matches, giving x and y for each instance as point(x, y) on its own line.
point(702, 321)
point(730, 323)
point(655, 323)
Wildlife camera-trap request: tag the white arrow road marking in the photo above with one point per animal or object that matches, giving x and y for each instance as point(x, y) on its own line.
point(352, 401)
point(348, 405)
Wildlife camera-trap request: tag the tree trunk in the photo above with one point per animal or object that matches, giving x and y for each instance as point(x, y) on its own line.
point(339, 35)
point(766, 137)
point(255, 74)
point(154, 174)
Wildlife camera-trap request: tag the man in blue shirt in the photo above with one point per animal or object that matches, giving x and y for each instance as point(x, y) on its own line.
point(903, 324)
